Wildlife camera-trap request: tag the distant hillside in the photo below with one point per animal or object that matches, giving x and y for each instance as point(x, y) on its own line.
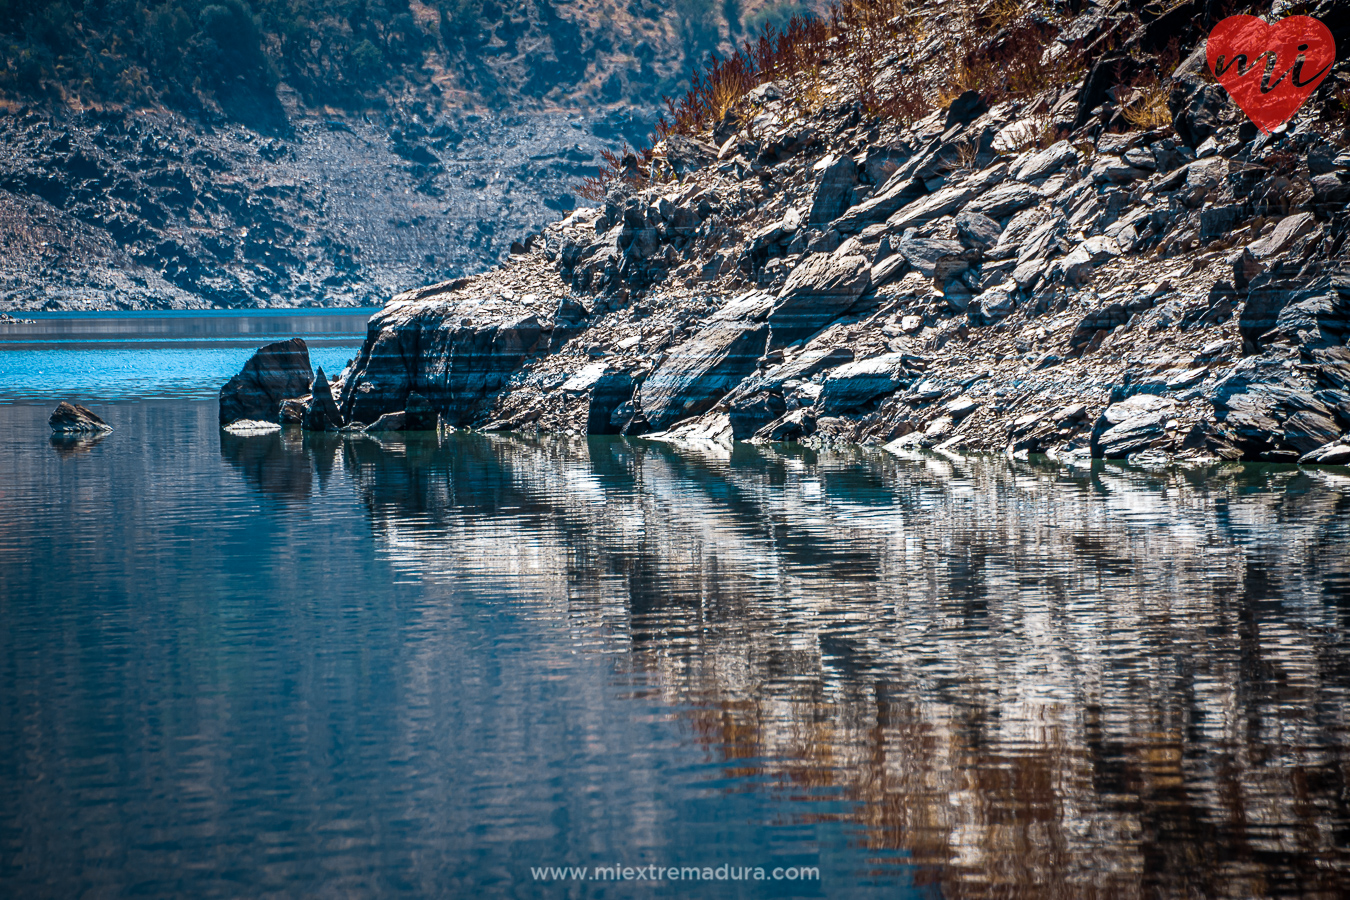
point(228, 57)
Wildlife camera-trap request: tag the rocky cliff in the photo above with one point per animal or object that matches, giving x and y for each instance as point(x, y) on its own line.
point(1104, 259)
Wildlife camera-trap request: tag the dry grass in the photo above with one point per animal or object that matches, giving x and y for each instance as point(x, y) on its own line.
point(899, 59)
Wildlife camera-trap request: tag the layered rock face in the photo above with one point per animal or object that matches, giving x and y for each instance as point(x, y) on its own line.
point(1085, 267)
point(276, 373)
point(453, 354)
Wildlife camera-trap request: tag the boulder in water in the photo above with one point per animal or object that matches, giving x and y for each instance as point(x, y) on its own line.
point(276, 373)
point(71, 418)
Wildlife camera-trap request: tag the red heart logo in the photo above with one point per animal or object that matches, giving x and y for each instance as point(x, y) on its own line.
point(1269, 70)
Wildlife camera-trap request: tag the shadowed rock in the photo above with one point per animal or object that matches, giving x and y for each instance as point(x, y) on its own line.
point(277, 372)
point(457, 355)
point(70, 418)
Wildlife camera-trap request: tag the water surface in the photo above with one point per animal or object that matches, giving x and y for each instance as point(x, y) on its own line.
point(301, 666)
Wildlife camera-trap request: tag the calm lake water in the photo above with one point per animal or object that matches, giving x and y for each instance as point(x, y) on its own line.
point(308, 666)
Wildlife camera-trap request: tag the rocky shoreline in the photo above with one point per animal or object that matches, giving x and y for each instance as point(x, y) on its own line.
point(1035, 275)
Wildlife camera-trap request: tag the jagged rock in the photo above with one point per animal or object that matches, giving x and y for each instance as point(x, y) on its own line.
point(1289, 229)
point(943, 203)
point(1334, 453)
point(834, 192)
point(274, 373)
point(686, 155)
point(1195, 107)
point(610, 391)
point(1132, 425)
point(750, 413)
point(456, 353)
point(821, 288)
point(419, 414)
point(1105, 318)
point(895, 194)
point(991, 305)
point(292, 411)
point(1041, 165)
point(394, 421)
point(1004, 200)
point(696, 374)
point(71, 418)
point(793, 426)
point(925, 253)
point(321, 413)
point(855, 384)
point(964, 109)
point(977, 230)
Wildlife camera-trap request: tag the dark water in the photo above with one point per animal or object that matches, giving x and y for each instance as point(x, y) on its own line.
point(292, 666)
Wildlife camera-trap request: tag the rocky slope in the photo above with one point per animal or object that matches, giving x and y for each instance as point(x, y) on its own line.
point(152, 209)
point(1057, 271)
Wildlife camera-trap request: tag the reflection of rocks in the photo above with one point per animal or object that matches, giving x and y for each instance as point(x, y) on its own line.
point(1033, 680)
point(73, 419)
point(274, 463)
point(69, 444)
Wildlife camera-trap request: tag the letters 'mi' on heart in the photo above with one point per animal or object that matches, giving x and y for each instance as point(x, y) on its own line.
point(1269, 70)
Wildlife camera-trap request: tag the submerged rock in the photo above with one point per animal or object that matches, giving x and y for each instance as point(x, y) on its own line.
point(276, 373)
point(73, 419)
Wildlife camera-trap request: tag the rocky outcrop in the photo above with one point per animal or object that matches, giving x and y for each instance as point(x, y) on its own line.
point(1072, 270)
point(453, 351)
point(73, 419)
point(275, 373)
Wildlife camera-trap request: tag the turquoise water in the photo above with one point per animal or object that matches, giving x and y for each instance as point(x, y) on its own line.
point(310, 665)
point(114, 356)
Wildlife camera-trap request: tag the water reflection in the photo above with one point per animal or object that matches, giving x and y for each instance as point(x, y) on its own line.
point(69, 445)
point(1033, 681)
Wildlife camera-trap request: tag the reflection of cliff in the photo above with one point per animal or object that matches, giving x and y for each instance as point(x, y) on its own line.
point(1038, 682)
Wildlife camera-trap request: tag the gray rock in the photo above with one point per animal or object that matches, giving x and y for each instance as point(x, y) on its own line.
point(1041, 165)
point(748, 414)
point(1289, 229)
point(834, 193)
point(610, 391)
point(419, 414)
point(686, 155)
point(793, 426)
point(1195, 107)
point(934, 206)
point(73, 419)
point(1017, 231)
point(458, 354)
point(855, 384)
point(821, 288)
point(394, 421)
point(321, 413)
point(1004, 200)
point(1334, 453)
point(976, 230)
point(274, 373)
point(1135, 424)
point(1104, 318)
point(924, 253)
point(893, 195)
point(964, 109)
point(698, 373)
